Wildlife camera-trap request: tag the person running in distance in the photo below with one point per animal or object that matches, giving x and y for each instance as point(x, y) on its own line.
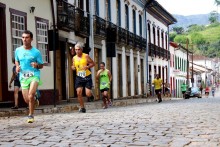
point(28, 61)
point(82, 62)
point(104, 76)
point(157, 82)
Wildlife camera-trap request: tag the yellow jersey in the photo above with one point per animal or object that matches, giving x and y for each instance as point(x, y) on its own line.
point(157, 83)
point(79, 63)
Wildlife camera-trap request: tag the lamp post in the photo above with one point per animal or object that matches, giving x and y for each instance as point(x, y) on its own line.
point(187, 62)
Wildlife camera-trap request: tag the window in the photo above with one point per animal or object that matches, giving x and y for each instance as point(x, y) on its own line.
point(42, 37)
point(108, 2)
point(134, 21)
point(149, 32)
point(118, 6)
point(126, 17)
point(97, 7)
point(18, 25)
point(140, 25)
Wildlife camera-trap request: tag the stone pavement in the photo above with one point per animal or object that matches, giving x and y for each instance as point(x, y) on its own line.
point(176, 123)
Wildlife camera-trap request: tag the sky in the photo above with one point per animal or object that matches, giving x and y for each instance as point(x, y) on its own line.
point(189, 7)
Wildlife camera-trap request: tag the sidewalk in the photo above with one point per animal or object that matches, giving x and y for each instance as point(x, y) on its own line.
point(74, 107)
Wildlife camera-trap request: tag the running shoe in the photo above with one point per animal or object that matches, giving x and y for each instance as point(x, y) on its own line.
point(109, 103)
point(82, 110)
point(15, 107)
point(30, 119)
point(105, 107)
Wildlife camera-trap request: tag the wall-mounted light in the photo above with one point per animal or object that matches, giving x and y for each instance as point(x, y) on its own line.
point(32, 8)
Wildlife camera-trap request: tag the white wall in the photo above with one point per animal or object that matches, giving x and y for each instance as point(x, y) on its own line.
point(42, 10)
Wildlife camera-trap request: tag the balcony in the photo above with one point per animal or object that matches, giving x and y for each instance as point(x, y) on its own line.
point(151, 49)
point(82, 27)
point(143, 43)
point(65, 16)
point(99, 26)
point(122, 35)
point(130, 38)
point(70, 18)
point(138, 42)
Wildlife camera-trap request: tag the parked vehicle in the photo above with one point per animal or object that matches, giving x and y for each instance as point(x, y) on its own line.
point(193, 92)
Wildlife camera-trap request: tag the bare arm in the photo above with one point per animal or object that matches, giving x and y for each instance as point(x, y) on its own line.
point(98, 74)
point(91, 63)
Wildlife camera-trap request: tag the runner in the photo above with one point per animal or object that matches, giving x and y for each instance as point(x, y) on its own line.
point(157, 82)
point(183, 89)
point(28, 61)
point(17, 85)
point(105, 78)
point(82, 63)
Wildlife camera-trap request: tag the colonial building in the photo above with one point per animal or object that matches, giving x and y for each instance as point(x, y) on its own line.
point(158, 21)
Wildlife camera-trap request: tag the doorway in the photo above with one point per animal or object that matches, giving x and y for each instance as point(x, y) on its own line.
point(3, 56)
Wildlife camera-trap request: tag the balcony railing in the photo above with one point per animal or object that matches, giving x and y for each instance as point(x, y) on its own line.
point(70, 18)
point(138, 42)
point(99, 26)
point(122, 35)
point(82, 23)
point(65, 15)
point(158, 51)
point(130, 38)
point(143, 43)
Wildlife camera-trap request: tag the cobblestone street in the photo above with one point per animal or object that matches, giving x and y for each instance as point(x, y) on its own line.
point(175, 123)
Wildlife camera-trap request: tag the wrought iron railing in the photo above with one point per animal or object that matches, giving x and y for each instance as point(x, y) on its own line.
point(82, 23)
point(122, 35)
point(99, 26)
point(65, 15)
point(70, 18)
point(130, 38)
point(138, 42)
point(143, 43)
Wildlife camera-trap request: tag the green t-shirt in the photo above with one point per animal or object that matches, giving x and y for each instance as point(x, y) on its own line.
point(183, 87)
point(104, 80)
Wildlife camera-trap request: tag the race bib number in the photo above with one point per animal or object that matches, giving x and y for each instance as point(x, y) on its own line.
point(103, 83)
point(82, 74)
point(28, 74)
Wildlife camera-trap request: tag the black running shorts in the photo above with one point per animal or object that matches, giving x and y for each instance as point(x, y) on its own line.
point(17, 83)
point(83, 82)
point(157, 91)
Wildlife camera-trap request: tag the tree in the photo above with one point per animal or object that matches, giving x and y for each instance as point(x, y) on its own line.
point(213, 18)
point(180, 39)
point(217, 2)
point(197, 39)
point(178, 30)
point(195, 28)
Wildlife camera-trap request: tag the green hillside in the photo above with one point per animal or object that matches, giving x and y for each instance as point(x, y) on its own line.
point(211, 34)
point(203, 40)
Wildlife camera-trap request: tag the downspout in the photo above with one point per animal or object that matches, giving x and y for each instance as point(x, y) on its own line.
point(54, 51)
point(168, 75)
point(147, 78)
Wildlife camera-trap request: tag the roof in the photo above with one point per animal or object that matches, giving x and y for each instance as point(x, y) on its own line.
point(155, 8)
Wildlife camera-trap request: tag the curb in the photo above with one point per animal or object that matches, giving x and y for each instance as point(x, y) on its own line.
point(74, 107)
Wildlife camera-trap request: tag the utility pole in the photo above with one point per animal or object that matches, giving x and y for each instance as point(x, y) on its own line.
point(187, 62)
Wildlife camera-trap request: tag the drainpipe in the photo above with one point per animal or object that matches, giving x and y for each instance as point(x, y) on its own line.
point(54, 51)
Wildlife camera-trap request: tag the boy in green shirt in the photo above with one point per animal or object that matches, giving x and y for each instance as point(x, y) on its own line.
point(183, 89)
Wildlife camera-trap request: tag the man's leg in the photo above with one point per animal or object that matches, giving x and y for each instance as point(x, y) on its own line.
point(79, 96)
point(31, 94)
point(16, 90)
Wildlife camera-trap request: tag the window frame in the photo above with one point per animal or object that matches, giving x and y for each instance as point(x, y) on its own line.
point(38, 19)
point(18, 13)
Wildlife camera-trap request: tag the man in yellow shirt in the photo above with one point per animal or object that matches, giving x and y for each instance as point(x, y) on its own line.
point(157, 82)
point(81, 63)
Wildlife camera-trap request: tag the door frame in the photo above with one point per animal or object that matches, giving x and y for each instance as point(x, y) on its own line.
point(3, 55)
